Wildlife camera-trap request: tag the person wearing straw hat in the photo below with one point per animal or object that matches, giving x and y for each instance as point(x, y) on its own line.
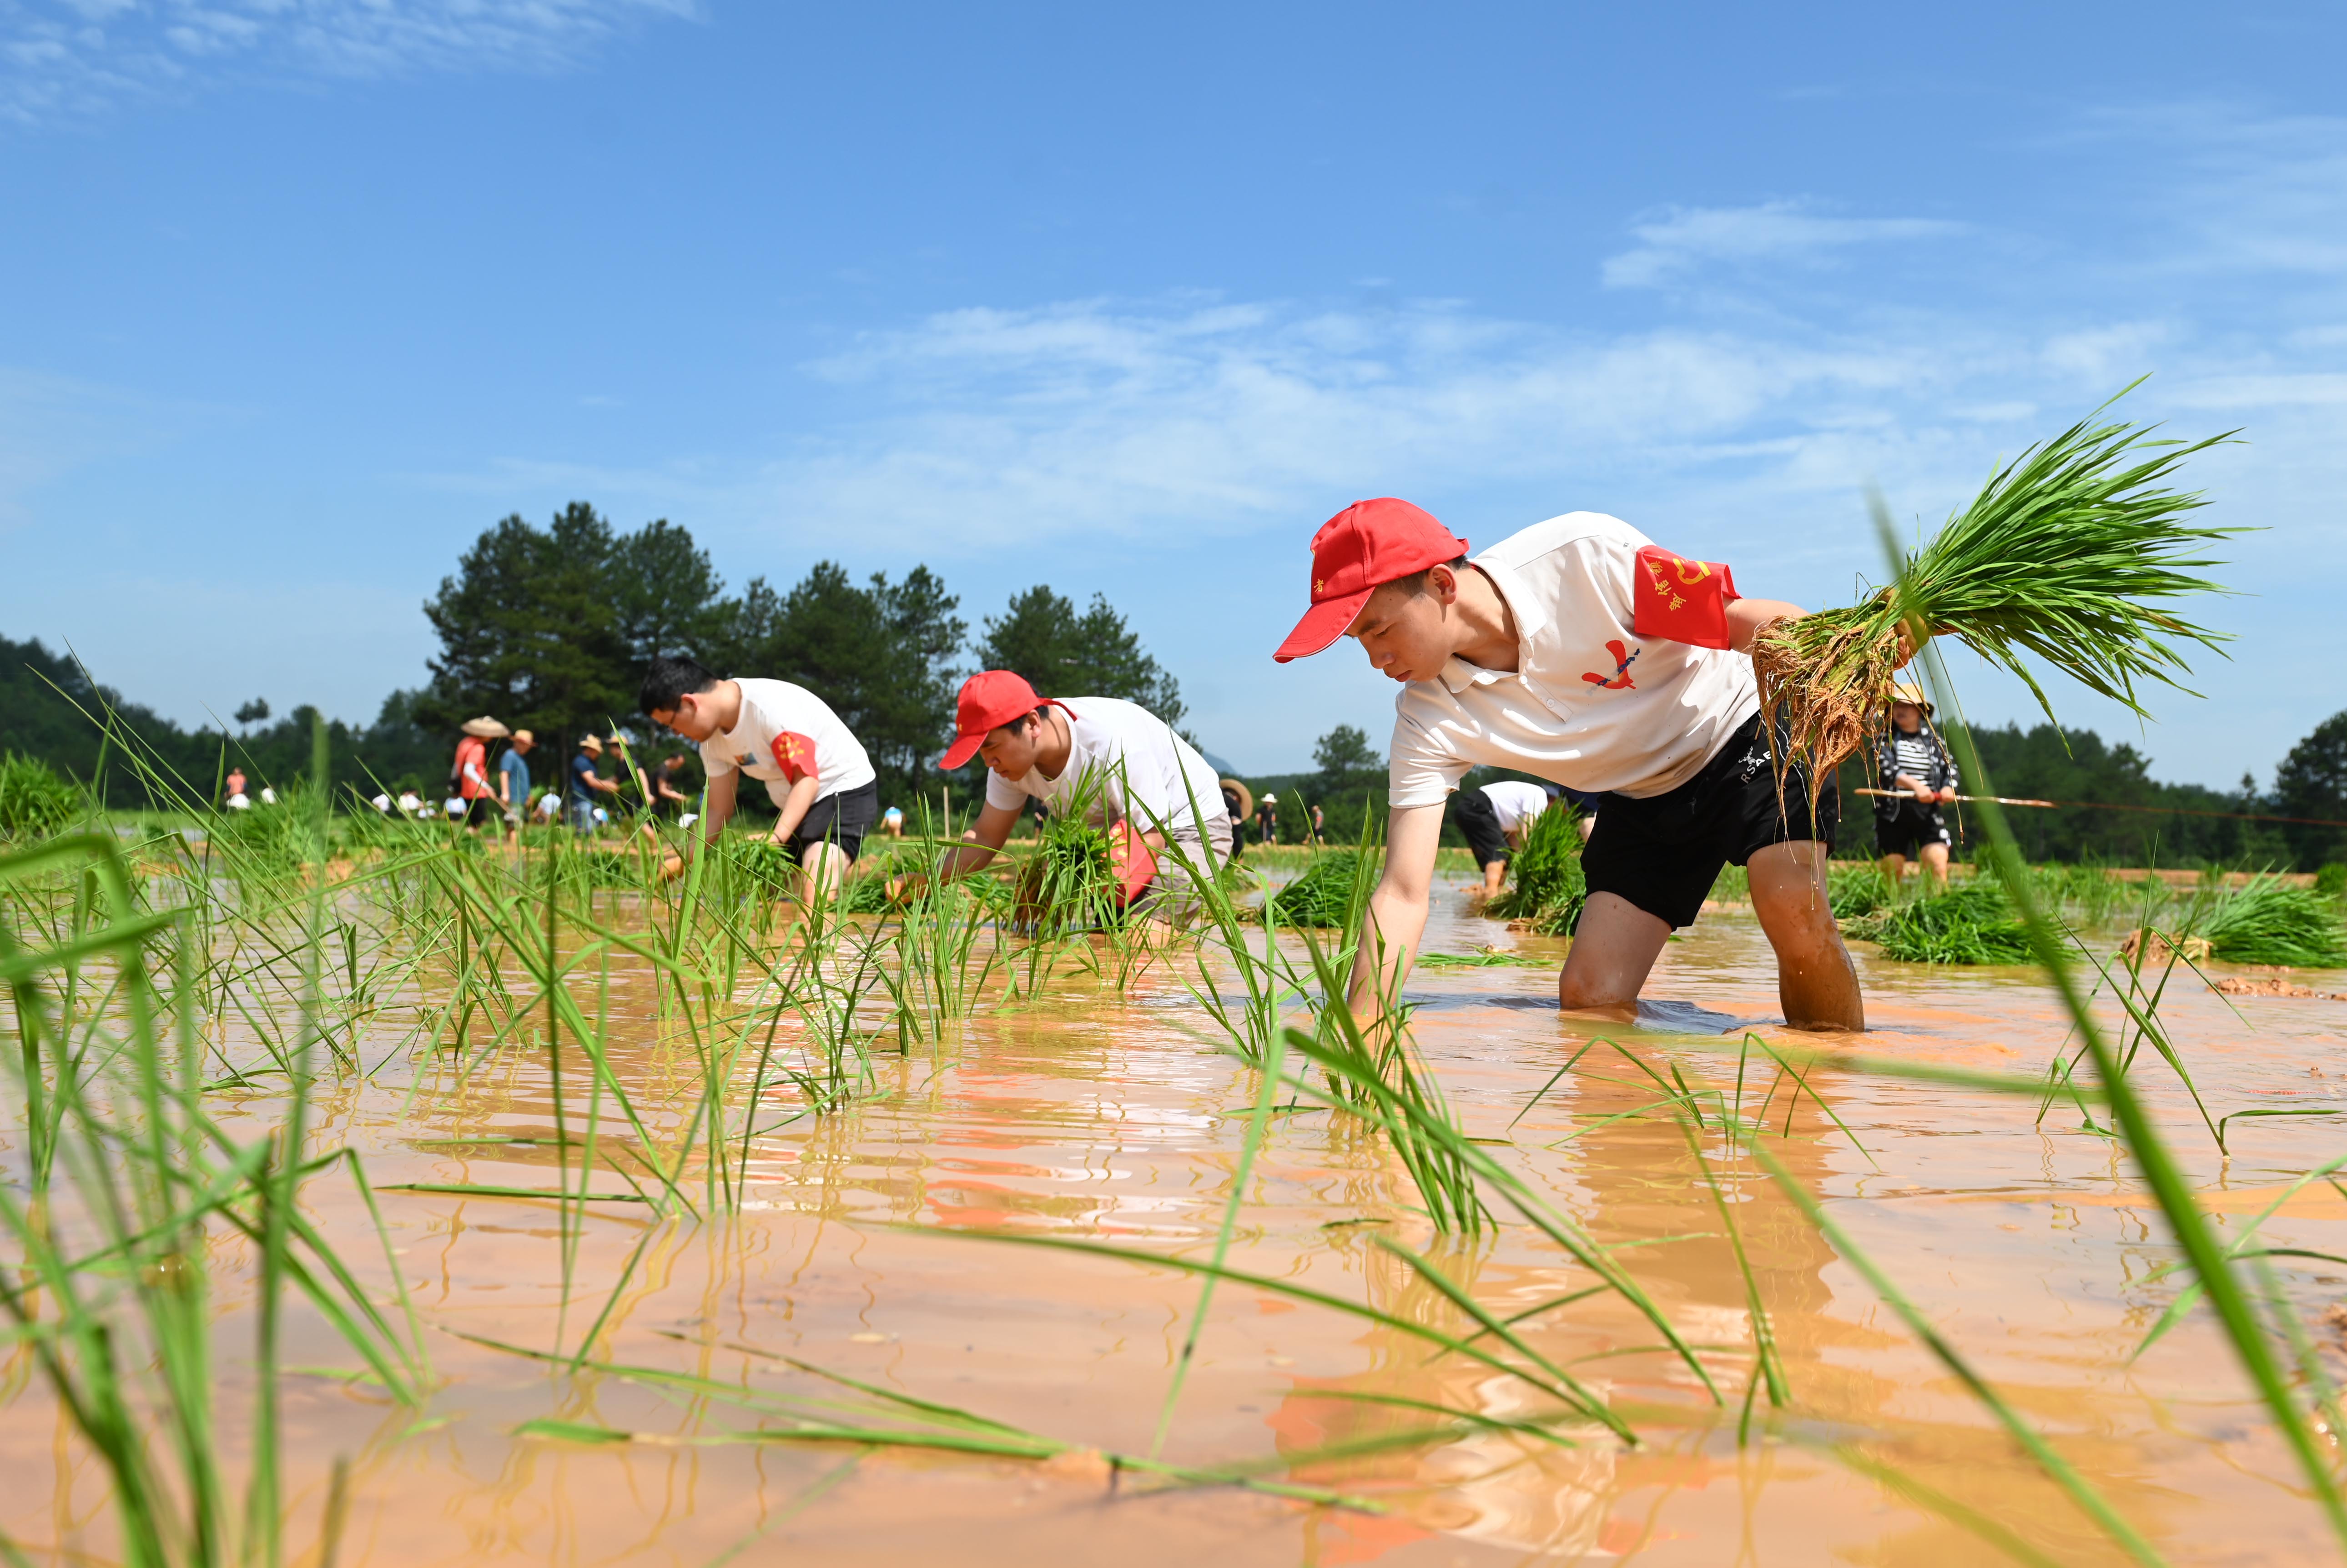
point(1913, 766)
point(1237, 803)
point(585, 782)
point(470, 772)
point(1115, 762)
point(1266, 818)
point(1579, 652)
point(788, 738)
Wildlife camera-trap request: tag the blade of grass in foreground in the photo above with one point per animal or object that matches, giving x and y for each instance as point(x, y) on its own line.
point(2136, 1127)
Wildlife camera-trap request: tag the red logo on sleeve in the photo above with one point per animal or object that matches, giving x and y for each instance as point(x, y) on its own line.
point(1623, 658)
point(1682, 600)
point(795, 754)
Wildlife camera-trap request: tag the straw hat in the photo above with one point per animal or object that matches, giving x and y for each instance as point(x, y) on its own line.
point(524, 735)
point(486, 727)
point(1270, 798)
point(1908, 691)
point(1247, 801)
point(590, 742)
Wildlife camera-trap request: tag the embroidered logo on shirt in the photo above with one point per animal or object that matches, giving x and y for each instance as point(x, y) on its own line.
point(1623, 658)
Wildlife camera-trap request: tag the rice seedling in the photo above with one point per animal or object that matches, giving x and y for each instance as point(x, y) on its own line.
point(2271, 922)
point(1855, 892)
point(34, 802)
point(1548, 888)
point(2072, 552)
point(1969, 924)
point(1324, 896)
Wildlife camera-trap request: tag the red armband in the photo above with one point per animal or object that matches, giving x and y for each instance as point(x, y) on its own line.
point(1132, 860)
point(795, 754)
point(1682, 600)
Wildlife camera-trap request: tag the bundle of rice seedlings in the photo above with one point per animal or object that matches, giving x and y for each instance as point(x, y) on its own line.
point(1855, 892)
point(1323, 894)
point(2271, 922)
point(2070, 552)
point(1970, 925)
point(34, 802)
point(1549, 887)
point(1068, 883)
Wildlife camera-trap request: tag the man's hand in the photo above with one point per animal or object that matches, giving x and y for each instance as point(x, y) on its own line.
point(671, 868)
point(1947, 795)
point(1922, 793)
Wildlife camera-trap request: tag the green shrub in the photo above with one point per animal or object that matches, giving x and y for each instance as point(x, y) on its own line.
point(2332, 881)
point(34, 801)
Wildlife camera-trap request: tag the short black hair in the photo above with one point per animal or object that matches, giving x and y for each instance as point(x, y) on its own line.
point(1415, 583)
point(672, 676)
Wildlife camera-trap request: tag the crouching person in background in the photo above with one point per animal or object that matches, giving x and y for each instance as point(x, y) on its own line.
point(1118, 764)
point(788, 738)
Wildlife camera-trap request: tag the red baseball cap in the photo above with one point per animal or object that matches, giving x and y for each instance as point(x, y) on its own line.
point(1367, 544)
point(990, 700)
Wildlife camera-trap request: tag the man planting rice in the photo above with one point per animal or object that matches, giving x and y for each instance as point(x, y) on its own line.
point(1577, 651)
point(1113, 763)
point(788, 738)
point(1495, 819)
point(1917, 776)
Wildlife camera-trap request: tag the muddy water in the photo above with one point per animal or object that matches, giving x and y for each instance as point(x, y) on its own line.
point(1116, 1119)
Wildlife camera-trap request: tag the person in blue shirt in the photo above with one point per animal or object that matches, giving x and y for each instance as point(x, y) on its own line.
point(586, 784)
point(513, 777)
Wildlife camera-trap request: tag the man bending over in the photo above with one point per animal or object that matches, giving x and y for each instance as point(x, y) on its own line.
point(1118, 763)
point(789, 739)
point(1578, 651)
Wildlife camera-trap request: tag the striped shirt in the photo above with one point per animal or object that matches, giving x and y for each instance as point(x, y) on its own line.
point(1915, 755)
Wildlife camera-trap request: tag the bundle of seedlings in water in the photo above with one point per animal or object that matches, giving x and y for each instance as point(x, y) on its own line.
point(2071, 552)
point(1323, 895)
point(1970, 925)
point(1548, 888)
point(2271, 922)
point(1069, 884)
point(1855, 892)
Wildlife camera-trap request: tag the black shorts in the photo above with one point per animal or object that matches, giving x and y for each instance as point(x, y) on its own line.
point(1905, 830)
point(1664, 853)
point(480, 808)
point(1479, 819)
point(842, 819)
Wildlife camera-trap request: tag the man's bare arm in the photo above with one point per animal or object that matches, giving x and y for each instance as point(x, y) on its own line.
point(720, 805)
point(1396, 915)
point(1746, 617)
point(795, 805)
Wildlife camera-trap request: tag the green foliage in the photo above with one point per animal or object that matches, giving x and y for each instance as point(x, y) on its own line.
point(1548, 888)
point(34, 802)
point(1349, 787)
point(2331, 880)
point(1063, 654)
point(1323, 895)
point(1969, 924)
point(2271, 922)
point(1857, 891)
point(2311, 782)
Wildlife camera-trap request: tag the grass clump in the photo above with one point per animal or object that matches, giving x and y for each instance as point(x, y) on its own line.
point(1548, 888)
point(34, 801)
point(2071, 552)
point(2271, 922)
point(1857, 891)
point(1323, 895)
point(2330, 881)
point(1970, 925)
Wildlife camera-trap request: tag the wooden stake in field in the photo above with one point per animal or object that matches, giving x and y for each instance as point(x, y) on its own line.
point(2070, 552)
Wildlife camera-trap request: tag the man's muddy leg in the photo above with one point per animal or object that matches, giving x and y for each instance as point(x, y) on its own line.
point(1814, 978)
point(1614, 948)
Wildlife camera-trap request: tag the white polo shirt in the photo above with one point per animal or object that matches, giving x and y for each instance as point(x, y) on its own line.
point(1516, 803)
point(786, 733)
point(1124, 762)
point(1591, 704)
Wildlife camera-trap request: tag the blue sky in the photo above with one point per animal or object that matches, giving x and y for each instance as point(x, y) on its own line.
point(302, 294)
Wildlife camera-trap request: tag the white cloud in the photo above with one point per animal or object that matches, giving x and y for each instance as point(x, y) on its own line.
point(1679, 238)
point(69, 57)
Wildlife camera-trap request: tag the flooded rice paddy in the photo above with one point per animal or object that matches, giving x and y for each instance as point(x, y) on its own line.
point(718, 1356)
